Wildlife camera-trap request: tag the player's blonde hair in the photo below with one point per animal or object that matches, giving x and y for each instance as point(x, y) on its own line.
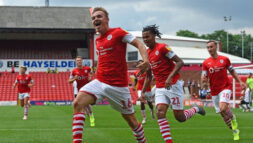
point(101, 9)
point(24, 67)
point(79, 57)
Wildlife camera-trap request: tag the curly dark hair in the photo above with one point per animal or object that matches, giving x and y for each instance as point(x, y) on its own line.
point(152, 29)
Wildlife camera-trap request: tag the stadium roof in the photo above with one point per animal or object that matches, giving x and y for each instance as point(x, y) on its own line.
point(171, 37)
point(194, 55)
point(15, 17)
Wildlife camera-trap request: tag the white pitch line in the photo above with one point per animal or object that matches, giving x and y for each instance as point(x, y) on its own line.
point(187, 128)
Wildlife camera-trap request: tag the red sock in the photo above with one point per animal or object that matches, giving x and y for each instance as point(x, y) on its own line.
point(165, 130)
point(189, 113)
point(26, 110)
point(77, 127)
point(227, 120)
point(143, 113)
point(139, 134)
point(229, 113)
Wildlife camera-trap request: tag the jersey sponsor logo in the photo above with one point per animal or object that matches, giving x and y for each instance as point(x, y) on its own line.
point(85, 71)
point(82, 77)
point(109, 37)
point(105, 51)
point(221, 61)
point(157, 53)
point(211, 70)
point(22, 82)
point(215, 69)
point(155, 64)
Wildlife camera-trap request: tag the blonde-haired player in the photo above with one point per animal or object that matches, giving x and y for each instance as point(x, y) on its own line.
point(24, 83)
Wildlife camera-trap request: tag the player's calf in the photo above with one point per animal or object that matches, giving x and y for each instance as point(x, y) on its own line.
point(180, 115)
point(136, 127)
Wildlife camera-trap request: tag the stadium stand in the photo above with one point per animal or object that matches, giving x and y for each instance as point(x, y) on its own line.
point(48, 87)
point(19, 49)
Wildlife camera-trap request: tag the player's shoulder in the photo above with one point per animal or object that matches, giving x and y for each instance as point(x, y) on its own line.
point(207, 60)
point(163, 46)
point(74, 70)
point(86, 68)
point(223, 57)
point(118, 31)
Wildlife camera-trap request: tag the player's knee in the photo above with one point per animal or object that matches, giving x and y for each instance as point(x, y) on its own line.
point(77, 104)
point(161, 114)
point(223, 109)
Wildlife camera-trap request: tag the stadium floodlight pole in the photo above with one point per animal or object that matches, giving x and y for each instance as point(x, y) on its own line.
point(47, 3)
point(243, 33)
point(227, 19)
point(251, 51)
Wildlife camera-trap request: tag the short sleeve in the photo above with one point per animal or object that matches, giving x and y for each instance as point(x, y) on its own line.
point(204, 69)
point(168, 52)
point(71, 75)
point(30, 79)
point(248, 80)
point(126, 37)
point(229, 65)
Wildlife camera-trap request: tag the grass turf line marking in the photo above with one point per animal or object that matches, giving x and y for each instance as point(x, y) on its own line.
point(188, 128)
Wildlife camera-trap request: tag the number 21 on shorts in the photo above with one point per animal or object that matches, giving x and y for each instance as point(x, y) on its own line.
point(175, 101)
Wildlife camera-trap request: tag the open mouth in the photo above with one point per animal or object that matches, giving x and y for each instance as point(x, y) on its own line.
point(98, 23)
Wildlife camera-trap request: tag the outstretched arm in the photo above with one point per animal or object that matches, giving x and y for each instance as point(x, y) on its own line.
point(146, 84)
point(14, 85)
point(235, 75)
point(144, 54)
point(179, 63)
point(31, 83)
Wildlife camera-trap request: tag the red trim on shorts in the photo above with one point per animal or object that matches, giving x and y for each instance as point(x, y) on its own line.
point(90, 94)
point(161, 104)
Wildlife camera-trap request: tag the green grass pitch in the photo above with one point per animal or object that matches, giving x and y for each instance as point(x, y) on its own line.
point(52, 124)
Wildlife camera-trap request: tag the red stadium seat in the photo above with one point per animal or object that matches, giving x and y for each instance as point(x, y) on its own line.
point(47, 87)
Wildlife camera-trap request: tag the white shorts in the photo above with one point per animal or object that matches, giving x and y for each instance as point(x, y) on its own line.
point(223, 96)
point(22, 96)
point(119, 97)
point(148, 95)
point(174, 96)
